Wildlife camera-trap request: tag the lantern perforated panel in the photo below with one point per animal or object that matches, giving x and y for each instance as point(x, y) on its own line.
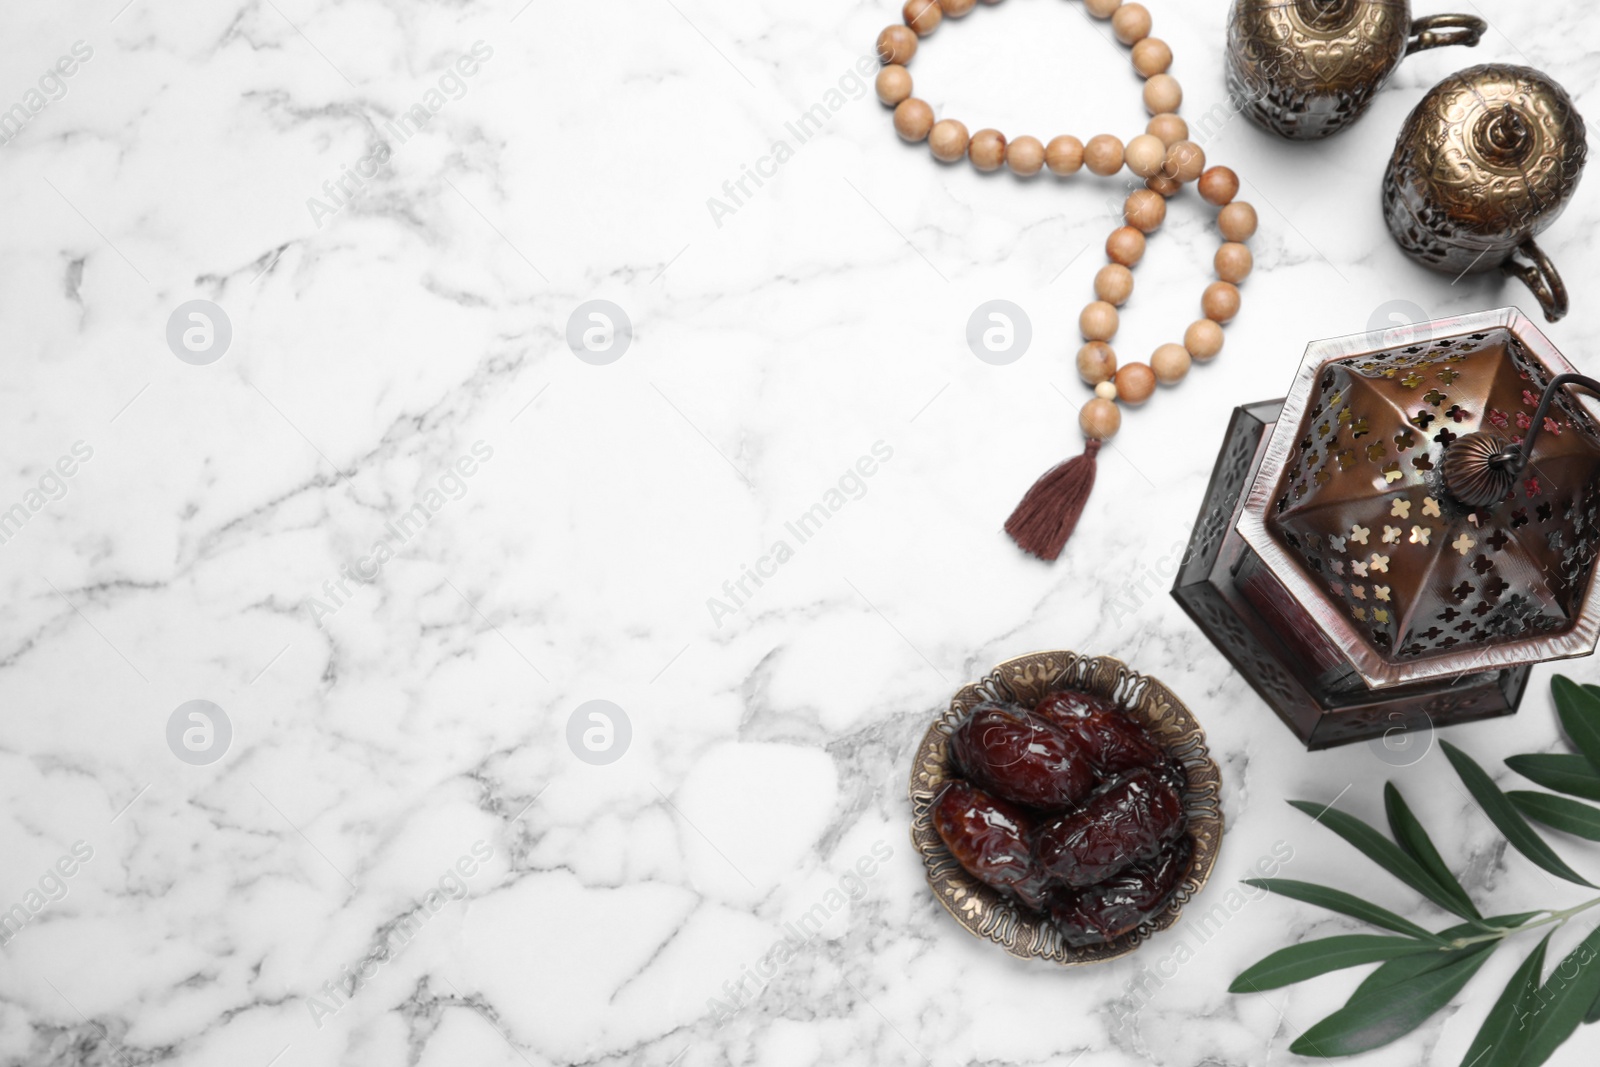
point(1362, 503)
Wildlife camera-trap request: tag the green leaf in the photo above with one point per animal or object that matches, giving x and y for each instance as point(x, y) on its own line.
point(1408, 831)
point(1503, 1038)
point(1579, 710)
point(1379, 1016)
point(1564, 1000)
point(1399, 971)
point(1345, 904)
point(1383, 852)
point(1504, 815)
point(1310, 959)
point(1559, 813)
point(1572, 775)
point(1594, 1012)
point(1396, 971)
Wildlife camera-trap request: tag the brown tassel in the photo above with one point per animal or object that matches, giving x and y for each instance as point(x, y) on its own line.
point(1049, 512)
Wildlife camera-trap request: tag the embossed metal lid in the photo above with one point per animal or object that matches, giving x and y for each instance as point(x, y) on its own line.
point(1351, 512)
point(1326, 19)
point(1494, 149)
point(1323, 12)
point(1267, 21)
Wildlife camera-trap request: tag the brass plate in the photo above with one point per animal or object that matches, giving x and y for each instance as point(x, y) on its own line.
point(987, 913)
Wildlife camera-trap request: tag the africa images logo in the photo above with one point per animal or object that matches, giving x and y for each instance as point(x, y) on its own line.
point(51, 888)
point(852, 485)
point(52, 87)
point(351, 182)
point(52, 486)
point(398, 532)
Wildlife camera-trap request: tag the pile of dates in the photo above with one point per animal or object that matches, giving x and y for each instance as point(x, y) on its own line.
point(1072, 808)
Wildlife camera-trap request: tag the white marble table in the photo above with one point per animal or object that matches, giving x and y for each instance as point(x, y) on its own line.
point(398, 799)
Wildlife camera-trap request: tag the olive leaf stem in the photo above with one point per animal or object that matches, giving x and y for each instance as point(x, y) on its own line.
point(1556, 918)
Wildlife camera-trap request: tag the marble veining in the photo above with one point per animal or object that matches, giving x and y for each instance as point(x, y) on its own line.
point(402, 536)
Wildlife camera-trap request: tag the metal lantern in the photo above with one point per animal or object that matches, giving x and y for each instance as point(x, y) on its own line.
point(1306, 69)
point(1395, 543)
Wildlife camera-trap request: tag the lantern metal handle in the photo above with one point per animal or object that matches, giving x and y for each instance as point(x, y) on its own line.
point(1544, 409)
point(1480, 468)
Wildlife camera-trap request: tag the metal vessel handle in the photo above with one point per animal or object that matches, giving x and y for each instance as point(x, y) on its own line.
point(1436, 31)
point(1539, 274)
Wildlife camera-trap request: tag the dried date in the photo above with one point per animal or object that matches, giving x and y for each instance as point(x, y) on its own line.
point(1064, 705)
point(990, 839)
point(1022, 758)
point(1175, 774)
point(1121, 823)
point(1114, 743)
point(1101, 913)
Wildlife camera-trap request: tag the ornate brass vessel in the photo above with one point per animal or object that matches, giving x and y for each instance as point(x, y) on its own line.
point(1306, 69)
point(1485, 163)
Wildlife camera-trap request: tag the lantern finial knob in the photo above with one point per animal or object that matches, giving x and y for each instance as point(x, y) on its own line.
point(1480, 468)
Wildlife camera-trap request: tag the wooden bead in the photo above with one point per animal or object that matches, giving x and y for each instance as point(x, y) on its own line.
point(1169, 127)
point(1170, 363)
point(1135, 383)
point(1099, 419)
point(956, 8)
point(1096, 362)
point(1103, 154)
point(1237, 221)
point(913, 119)
point(1234, 262)
point(1064, 155)
point(896, 44)
point(948, 140)
point(1185, 162)
point(1098, 322)
point(1131, 23)
point(1125, 246)
point(893, 84)
point(1145, 210)
point(1144, 154)
point(1106, 390)
point(1220, 302)
point(1203, 339)
point(1025, 156)
point(987, 150)
point(923, 16)
point(1114, 284)
point(1219, 186)
point(1102, 9)
point(1162, 92)
point(1152, 56)
point(1164, 185)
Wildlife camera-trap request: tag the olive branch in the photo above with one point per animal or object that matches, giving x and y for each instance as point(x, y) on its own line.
point(1422, 970)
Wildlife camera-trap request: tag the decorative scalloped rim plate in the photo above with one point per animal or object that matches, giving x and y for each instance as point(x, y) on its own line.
point(984, 911)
